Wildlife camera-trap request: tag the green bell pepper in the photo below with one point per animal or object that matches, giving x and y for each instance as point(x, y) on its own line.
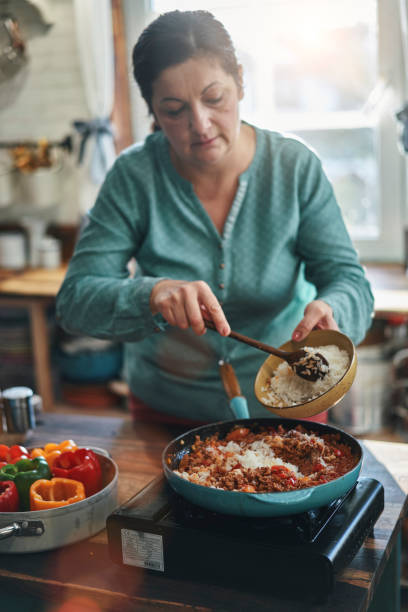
point(23, 473)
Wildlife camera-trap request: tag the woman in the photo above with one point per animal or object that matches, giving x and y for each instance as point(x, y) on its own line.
point(226, 221)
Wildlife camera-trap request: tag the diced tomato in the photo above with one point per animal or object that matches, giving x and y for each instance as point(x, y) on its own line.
point(291, 481)
point(338, 452)
point(17, 451)
point(279, 468)
point(238, 434)
point(318, 467)
point(281, 471)
point(237, 466)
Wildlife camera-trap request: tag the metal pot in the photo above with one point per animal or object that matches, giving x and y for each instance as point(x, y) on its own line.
point(35, 531)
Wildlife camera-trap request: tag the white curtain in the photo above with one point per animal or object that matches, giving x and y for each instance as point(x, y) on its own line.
point(403, 8)
point(93, 19)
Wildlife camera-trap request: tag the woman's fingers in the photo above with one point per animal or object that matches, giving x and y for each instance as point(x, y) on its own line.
point(213, 311)
point(317, 315)
point(183, 304)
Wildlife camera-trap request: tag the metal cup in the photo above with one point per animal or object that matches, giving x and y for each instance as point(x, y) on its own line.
point(18, 409)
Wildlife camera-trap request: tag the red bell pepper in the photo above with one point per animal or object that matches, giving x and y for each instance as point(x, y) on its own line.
point(9, 500)
point(81, 464)
point(11, 454)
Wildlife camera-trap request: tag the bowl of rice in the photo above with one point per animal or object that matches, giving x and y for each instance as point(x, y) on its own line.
point(282, 392)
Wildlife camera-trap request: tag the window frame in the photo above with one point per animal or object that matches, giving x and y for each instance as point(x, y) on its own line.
point(392, 164)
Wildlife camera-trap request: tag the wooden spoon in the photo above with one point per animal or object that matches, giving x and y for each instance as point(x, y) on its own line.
point(307, 365)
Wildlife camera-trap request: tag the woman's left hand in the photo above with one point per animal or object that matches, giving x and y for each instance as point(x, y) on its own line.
point(318, 315)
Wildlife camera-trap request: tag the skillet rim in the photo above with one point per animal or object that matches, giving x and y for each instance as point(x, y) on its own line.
point(261, 420)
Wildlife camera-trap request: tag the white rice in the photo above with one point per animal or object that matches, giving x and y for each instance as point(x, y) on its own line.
point(258, 454)
point(285, 388)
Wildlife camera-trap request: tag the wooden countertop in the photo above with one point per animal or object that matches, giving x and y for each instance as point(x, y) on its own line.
point(32, 282)
point(389, 282)
point(84, 570)
point(390, 288)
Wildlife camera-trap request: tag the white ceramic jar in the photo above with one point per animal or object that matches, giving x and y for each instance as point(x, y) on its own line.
point(50, 252)
point(13, 250)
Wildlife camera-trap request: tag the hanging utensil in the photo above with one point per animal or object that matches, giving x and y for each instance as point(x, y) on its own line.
point(306, 364)
point(12, 48)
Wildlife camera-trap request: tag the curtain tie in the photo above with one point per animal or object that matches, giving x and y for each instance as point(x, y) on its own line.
point(93, 127)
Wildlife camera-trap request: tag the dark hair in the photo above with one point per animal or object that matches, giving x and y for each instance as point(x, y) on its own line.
point(175, 37)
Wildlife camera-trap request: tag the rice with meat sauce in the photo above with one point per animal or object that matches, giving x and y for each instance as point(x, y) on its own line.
point(274, 459)
point(286, 389)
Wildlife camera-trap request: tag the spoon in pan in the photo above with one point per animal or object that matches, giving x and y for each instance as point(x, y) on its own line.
point(307, 365)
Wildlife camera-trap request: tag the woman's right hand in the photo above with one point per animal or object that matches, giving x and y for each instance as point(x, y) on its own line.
point(186, 304)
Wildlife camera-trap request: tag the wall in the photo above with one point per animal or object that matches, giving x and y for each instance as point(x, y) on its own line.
point(137, 15)
point(51, 98)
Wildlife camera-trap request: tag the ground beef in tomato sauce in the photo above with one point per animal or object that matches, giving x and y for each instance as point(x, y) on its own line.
point(274, 459)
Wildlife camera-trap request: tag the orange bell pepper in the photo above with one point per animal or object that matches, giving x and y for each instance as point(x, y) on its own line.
point(52, 450)
point(54, 493)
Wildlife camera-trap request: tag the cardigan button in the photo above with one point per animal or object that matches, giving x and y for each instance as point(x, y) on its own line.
point(221, 286)
point(222, 266)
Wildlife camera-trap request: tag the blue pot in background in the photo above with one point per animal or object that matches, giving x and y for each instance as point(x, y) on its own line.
point(90, 366)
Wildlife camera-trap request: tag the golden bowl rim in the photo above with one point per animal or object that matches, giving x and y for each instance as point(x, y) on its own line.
point(352, 365)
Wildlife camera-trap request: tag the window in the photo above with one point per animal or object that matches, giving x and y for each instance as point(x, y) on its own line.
point(329, 72)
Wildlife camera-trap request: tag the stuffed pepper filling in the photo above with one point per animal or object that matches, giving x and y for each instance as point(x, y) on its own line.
point(271, 460)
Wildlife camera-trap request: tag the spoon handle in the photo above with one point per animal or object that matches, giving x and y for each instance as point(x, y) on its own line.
point(255, 343)
point(229, 380)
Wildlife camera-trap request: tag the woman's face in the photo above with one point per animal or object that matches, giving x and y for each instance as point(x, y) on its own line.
point(196, 106)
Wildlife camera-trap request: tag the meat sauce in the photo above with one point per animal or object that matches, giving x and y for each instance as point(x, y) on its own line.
point(271, 460)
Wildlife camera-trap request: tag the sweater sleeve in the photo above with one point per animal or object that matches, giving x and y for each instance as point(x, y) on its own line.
point(98, 297)
point(331, 262)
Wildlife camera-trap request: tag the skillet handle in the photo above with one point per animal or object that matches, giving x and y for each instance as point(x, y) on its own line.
point(288, 498)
